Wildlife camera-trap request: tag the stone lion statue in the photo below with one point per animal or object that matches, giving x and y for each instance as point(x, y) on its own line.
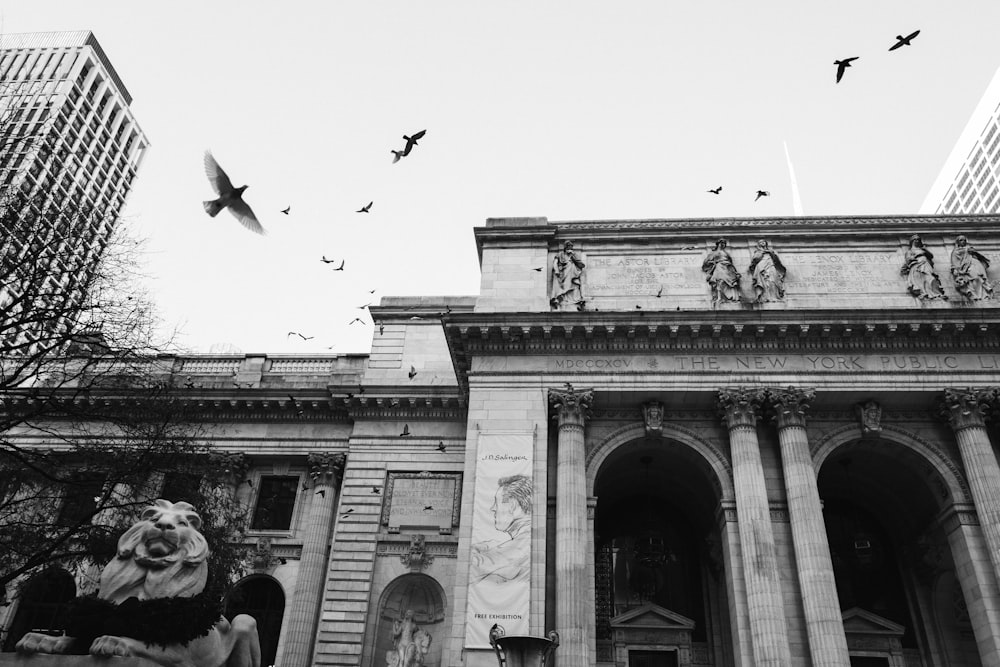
point(151, 603)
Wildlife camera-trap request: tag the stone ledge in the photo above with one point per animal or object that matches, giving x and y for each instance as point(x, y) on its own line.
point(44, 660)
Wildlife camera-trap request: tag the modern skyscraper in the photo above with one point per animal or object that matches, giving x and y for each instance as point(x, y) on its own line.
point(69, 152)
point(969, 182)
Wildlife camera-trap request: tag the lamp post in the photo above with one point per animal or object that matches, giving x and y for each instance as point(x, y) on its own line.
point(523, 650)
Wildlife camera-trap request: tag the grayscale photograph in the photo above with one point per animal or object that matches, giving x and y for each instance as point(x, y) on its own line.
point(645, 333)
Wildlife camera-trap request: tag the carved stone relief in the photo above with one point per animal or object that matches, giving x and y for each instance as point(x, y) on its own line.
point(968, 268)
point(721, 274)
point(918, 270)
point(869, 417)
point(566, 291)
point(768, 274)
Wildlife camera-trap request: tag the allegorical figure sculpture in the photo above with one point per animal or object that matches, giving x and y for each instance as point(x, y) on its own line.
point(410, 644)
point(768, 273)
point(567, 278)
point(968, 268)
point(152, 604)
point(918, 269)
point(721, 274)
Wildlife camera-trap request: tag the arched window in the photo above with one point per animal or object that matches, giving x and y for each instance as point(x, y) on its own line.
point(42, 605)
point(262, 598)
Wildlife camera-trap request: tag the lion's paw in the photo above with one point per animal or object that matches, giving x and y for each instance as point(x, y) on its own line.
point(35, 642)
point(108, 645)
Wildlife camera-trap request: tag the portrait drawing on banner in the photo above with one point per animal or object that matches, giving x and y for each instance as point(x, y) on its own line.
point(506, 558)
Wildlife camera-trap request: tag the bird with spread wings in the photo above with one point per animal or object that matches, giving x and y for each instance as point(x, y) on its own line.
point(229, 197)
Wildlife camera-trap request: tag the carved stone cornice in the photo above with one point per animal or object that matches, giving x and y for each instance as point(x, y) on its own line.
point(571, 407)
point(740, 406)
point(326, 468)
point(412, 407)
point(789, 405)
point(966, 408)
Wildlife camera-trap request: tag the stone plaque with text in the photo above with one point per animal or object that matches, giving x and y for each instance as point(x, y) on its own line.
point(422, 500)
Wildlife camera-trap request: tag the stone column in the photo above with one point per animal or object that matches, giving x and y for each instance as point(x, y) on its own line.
point(325, 469)
point(965, 411)
point(768, 629)
point(976, 578)
point(824, 623)
point(573, 580)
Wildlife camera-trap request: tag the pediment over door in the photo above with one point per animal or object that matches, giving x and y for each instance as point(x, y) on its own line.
point(861, 622)
point(651, 616)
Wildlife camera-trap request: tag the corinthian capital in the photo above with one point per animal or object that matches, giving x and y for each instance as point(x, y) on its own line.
point(740, 406)
point(790, 405)
point(326, 467)
point(967, 407)
point(571, 405)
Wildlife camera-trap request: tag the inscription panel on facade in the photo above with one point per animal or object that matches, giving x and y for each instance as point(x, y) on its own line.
point(635, 275)
point(422, 500)
point(846, 273)
point(744, 363)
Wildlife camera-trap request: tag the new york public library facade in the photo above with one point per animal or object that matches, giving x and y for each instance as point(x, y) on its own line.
point(725, 442)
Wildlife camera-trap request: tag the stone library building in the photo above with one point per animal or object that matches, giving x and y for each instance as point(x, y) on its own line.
point(677, 443)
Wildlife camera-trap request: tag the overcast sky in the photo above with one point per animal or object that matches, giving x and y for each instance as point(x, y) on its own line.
point(570, 110)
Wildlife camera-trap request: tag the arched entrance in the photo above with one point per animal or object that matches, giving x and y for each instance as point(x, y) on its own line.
point(41, 607)
point(262, 598)
point(660, 597)
point(884, 503)
point(411, 623)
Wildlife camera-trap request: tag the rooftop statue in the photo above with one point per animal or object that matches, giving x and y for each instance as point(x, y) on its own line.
point(918, 269)
point(968, 267)
point(151, 602)
point(721, 274)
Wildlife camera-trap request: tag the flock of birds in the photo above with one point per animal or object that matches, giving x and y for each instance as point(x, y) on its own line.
point(842, 66)
point(230, 197)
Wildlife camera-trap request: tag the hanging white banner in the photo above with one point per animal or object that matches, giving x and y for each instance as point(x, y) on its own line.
point(500, 556)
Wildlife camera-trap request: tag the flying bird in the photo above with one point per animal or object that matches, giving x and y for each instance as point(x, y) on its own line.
point(904, 41)
point(441, 448)
point(328, 261)
point(406, 430)
point(296, 333)
point(843, 65)
point(229, 197)
point(286, 210)
point(715, 191)
point(375, 489)
point(412, 141)
point(249, 482)
point(305, 487)
point(365, 209)
point(341, 267)
point(537, 268)
point(321, 492)
point(659, 293)
point(762, 193)
point(413, 372)
point(396, 155)
point(689, 247)
point(428, 508)
point(356, 319)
